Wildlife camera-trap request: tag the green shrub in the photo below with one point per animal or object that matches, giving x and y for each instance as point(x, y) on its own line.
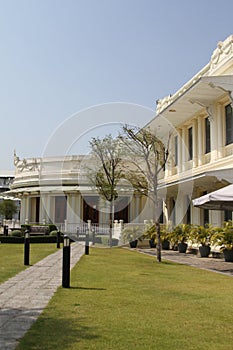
point(17, 233)
point(34, 239)
point(25, 227)
point(52, 227)
point(53, 233)
point(43, 239)
point(11, 239)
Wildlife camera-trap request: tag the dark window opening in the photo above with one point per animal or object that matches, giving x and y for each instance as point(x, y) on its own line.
point(229, 124)
point(60, 209)
point(176, 150)
point(190, 143)
point(207, 135)
point(227, 215)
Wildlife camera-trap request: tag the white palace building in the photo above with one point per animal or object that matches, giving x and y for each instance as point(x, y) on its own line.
point(200, 160)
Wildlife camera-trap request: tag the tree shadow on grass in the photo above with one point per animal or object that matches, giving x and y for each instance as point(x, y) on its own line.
point(87, 288)
point(53, 332)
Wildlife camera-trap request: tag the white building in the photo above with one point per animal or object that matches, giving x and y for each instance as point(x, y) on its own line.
point(200, 161)
point(55, 190)
point(201, 158)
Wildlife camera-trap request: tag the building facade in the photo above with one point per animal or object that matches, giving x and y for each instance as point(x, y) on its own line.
point(56, 190)
point(200, 160)
point(201, 155)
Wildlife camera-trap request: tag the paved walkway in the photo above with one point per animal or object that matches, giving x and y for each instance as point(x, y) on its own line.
point(24, 296)
point(213, 264)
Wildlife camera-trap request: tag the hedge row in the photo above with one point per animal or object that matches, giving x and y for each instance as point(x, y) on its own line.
point(51, 227)
point(33, 239)
point(99, 240)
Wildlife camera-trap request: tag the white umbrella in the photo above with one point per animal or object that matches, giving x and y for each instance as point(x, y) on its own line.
point(221, 199)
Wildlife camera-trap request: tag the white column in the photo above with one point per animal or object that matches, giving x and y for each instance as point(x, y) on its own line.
point(44, 208)
point(181, 207)
point(213, 134)
point(70, 209)
point(184, 149)
point(220, 130)
point(195, 146)
point(24, 213)
point(137, 208)
point(180, 146)
point(77, 208)
point(216, 217)
point(27, 209)
point(200, 139)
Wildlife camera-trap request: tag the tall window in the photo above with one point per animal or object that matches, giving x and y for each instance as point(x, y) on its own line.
point(207, 135)
point(206, 216)
point(229, 124)
point(190, 143)
point(188, 215)
point(176, 150)
point(227, 215)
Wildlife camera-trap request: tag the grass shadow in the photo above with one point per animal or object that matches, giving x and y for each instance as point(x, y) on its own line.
point(87, 288)
point(62, 331)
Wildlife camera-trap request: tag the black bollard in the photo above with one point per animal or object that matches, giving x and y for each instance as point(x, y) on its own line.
point(66, 263)
point(5, 230)
point(87, 244)
point(26, 247)
point(58, 239)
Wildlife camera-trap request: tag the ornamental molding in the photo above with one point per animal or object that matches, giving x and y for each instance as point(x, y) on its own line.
point(26, 164)
point(223, 51)
point(220, 56)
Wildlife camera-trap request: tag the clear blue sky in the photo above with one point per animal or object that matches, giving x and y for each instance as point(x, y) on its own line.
point(58, 57)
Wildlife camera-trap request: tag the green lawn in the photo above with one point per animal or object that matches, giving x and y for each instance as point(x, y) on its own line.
point(121, 299)
point(12, 257)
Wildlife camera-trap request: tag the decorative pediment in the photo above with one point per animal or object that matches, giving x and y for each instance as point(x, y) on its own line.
point(25, 164)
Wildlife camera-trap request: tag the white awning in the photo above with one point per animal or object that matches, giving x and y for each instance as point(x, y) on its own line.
point(221, 199)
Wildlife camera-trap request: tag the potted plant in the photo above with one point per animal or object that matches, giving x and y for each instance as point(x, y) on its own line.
point(181, 234)
point(151, 234)
point(131, 234)
point(165, 238)
point(224, 238)
point(202, 235)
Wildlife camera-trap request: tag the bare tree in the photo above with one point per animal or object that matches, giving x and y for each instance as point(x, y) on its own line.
point(146, 161)
point(106, 170)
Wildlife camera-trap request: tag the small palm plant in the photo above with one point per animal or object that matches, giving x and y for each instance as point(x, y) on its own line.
point(202, 235)
point(224, 237)
point(180, 235)
point(151, 233)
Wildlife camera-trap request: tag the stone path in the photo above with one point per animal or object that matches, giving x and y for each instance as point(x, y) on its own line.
point(213, 264)
point(24, 296)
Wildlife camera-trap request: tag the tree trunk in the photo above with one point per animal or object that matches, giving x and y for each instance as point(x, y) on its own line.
point(158, 247)
point(111, 223)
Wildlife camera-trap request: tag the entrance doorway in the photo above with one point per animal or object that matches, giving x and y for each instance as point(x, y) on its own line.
point(90, 211)
point(60, 209)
